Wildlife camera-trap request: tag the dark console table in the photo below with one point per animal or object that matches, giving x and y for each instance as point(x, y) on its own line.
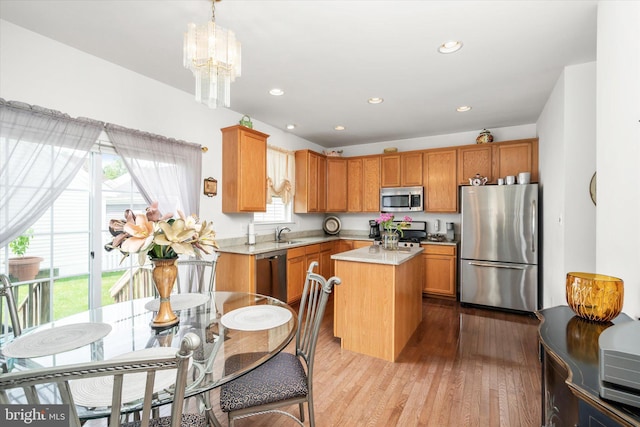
point(570, 383)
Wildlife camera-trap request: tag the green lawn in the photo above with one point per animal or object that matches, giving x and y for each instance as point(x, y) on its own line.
point(71, 295)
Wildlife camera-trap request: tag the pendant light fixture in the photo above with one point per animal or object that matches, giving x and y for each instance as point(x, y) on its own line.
point(212, 53)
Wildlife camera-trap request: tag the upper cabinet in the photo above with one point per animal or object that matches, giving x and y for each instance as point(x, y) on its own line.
point(371, 184)
point(440, 180)
point(390, 174)
point(355, 184)
point(401, 169)
point(498, 159)
point(515, 157)
point(310, 182)
point(336, 184)
point(352, 184)
point(411, 169)
point(363, 180)
point(472, 160)
point(244, 170)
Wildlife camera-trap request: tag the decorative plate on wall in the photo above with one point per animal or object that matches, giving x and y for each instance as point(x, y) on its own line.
point(592, 188)
point(331, 225)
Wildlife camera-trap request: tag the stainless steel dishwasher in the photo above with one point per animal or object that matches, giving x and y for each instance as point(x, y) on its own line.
point(271, 274)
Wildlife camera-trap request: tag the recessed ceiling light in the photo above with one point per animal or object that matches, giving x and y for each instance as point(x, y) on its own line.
point(450, 46)
point(291, 126)
point(375, 100)
point(463, 108)
point(276, 92)
point(339, 127)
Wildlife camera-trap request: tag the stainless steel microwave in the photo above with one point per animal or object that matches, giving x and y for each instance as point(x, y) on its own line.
point(402, 199)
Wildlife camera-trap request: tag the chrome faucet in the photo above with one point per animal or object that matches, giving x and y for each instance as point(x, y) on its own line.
point(279, 231)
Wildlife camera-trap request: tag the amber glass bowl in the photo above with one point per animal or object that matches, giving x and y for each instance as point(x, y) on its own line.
point(595, 296)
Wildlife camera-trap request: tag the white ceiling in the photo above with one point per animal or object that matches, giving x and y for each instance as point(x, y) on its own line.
point(331, 56)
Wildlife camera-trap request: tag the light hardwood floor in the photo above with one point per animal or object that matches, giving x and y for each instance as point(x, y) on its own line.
point(463, 367)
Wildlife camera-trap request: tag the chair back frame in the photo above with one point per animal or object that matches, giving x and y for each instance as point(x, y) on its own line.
point(196, 273)
point(312, 306)
point(6, 290)
point(60, 376)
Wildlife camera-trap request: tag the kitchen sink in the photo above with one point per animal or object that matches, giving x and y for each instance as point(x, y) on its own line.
point(288, 242)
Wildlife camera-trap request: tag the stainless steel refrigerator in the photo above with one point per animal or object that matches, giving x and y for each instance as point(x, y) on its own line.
point(499, 246)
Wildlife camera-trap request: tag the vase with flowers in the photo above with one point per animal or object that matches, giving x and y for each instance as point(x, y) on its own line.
point(392, 230)
point(162, 239)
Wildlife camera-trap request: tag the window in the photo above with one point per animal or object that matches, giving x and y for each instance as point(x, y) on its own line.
point(281, 186)
point(277, 212)
point(76, 272)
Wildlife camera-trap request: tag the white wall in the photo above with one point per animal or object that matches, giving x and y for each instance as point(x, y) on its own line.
point(40, 71)
point(566, 128)
point(618, 137)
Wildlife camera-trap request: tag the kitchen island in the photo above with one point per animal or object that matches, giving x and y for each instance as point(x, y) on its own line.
point(378, 306)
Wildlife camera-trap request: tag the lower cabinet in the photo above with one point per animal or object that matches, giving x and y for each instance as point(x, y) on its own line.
point(326, 263)
point(298, 260)
point(439, 270)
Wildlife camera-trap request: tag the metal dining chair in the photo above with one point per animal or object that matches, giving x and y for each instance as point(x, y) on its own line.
point(282, 380)
point(197, 275)
point(6, 291)
point(52, 386)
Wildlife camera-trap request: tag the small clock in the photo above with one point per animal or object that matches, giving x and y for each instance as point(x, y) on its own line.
point(592, 188)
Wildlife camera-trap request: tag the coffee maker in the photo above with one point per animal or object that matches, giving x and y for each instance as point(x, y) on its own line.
point(374, 229)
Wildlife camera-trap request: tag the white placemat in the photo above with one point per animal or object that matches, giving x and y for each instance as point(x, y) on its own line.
point(96, 392)
point(256, 317)
point(56, 340)
point(179, 302)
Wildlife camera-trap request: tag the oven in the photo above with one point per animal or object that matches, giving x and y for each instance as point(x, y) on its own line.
point(411, 236)
point(402, 199)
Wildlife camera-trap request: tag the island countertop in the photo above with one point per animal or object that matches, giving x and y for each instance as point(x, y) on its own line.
point(374, 254)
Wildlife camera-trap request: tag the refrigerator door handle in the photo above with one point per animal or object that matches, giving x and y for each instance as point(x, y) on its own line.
point(494, 265)
point(533, 226)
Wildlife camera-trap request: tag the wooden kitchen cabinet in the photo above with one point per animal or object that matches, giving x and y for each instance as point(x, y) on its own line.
point(326, 263)
point(440, 180)
point(336, 184)
point(343, 246)
point(244, 170)
point(236, 273)
point(363, 180)
point(311, 182)
point(355, 185)
point(357, 244)
point(498, 159)
point(296, 273)
point(514, 157)
point(439, 270)
point(322, 183)
point(390, 170)
point(475, 159)
point(401, 170)
point(371, 184)
point(411, 169)
point(298, 260)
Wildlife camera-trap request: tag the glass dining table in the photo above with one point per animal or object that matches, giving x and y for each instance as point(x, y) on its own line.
point(228, 324)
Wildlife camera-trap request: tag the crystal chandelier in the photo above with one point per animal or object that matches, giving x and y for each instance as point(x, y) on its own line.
point(212, 53)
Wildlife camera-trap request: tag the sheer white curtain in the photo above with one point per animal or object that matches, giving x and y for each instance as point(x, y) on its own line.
point(280, 174)
point(41, 150)
point(164, 169)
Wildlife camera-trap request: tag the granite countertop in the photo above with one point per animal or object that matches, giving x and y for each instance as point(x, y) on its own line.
point(233, 246)
point(270, 246)
point(376, 255)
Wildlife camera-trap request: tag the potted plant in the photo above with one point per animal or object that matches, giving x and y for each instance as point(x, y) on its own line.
point(23, 267)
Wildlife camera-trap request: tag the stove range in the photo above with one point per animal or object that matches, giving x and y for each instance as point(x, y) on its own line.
point(412, 236)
